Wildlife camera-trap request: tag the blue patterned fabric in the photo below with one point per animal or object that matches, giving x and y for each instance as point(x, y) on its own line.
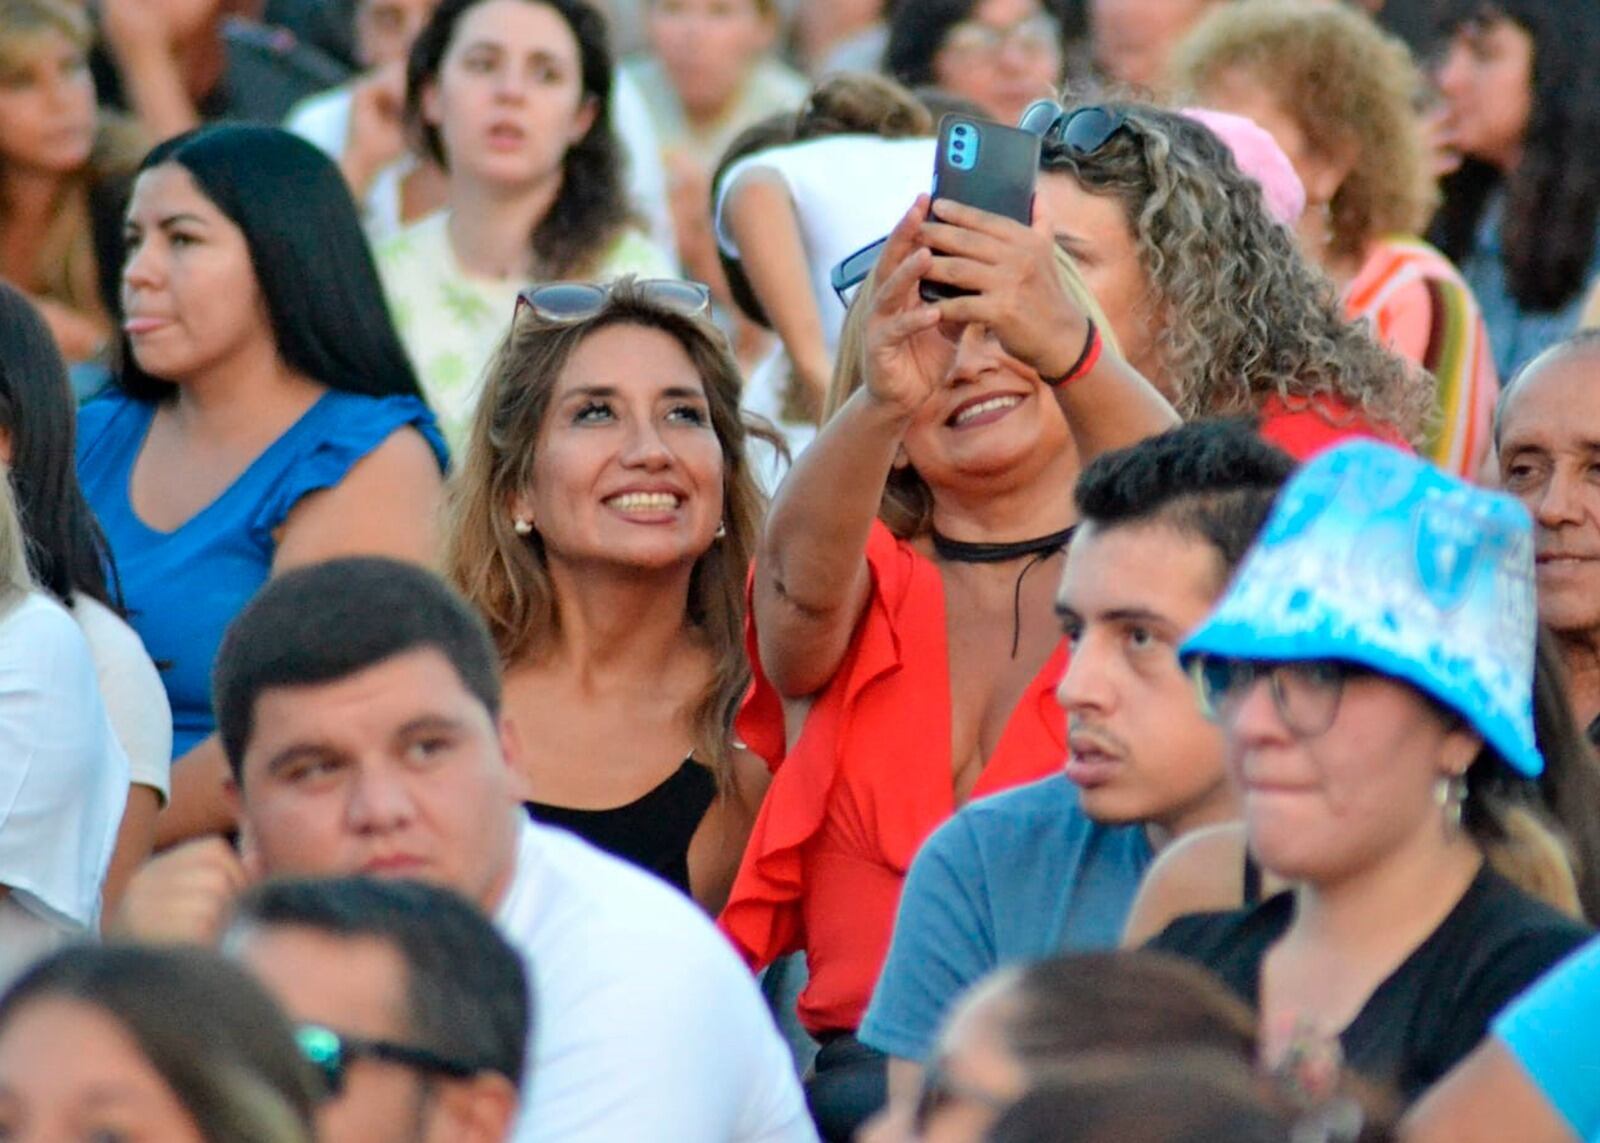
point(1375, 557)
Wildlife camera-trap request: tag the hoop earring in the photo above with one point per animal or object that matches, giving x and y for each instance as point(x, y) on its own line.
point(1450, 795)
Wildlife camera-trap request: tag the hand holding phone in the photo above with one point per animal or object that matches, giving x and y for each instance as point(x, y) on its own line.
point(985, 165)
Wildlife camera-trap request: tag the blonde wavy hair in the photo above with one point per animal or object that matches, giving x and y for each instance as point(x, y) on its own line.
point(1241, 314)
point(65, 267)
point(907, 505)
point(1349, 87)
point(506, 576)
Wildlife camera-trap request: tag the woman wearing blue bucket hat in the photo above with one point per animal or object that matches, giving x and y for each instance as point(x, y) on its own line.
point(1372, 666)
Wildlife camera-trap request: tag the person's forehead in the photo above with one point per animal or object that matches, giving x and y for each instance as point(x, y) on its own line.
point(1142, 568)
point(369, 705)
point(352, 983)
point(1557, 400)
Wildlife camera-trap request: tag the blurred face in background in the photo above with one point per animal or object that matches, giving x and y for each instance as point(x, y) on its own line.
point(1094, 229)
point(508, 101)
point(1003, 57)
point(1486, 82)
point(386, 28)
point(47, 104)
point(70, 1071)
point(708, 48)
point(1133, 39)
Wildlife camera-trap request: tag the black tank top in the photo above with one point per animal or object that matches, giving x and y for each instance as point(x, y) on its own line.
point(652, 831)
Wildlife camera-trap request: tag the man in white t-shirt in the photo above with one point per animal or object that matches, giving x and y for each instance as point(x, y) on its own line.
point(358, 703)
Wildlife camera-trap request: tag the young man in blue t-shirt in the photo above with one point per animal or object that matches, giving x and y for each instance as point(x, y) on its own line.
point(1054, 865)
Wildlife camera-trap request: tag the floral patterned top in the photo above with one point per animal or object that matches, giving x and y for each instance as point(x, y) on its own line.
point(451, 323)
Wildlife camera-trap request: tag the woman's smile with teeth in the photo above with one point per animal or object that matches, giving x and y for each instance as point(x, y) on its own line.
point(993, 404)
point(643, 501)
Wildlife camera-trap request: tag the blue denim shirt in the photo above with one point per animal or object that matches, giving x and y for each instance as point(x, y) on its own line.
point(1516, 335)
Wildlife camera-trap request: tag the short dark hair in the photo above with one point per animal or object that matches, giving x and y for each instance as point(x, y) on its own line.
point(66, 548)
point(1215, 479)
point(1122, 1001)
point(309, 254)
point(468, 997)
point(325, 622)
point(206, 1026)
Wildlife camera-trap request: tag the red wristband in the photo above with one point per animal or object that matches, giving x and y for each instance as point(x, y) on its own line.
point(1087, 360)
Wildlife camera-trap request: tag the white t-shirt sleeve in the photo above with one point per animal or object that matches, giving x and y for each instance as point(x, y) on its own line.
point(648, 1027)
point(63, 777)
point(323, 119)
point(646, 174)
point(131, 688)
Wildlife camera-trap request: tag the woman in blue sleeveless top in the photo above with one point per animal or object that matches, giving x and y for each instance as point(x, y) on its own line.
point(264, 415)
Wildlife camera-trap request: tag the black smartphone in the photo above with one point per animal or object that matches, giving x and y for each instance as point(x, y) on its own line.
point(986, 165)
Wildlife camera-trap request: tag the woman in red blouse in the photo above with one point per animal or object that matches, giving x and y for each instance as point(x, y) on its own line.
point(903, 590)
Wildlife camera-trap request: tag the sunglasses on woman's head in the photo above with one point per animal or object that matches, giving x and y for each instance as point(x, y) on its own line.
point(567, 303)
point(331, 1053)
point(1083, 131)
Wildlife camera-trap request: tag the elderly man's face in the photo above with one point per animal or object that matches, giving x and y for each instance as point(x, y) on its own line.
point(1550, 459)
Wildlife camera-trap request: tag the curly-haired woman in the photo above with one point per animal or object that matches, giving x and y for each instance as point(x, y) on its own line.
point(512, 97)
point(1206, 290)
point(1339, 96)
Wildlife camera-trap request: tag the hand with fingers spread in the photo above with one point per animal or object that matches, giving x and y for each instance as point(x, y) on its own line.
point(901, 370)
point(1016, 286)
point(184, 896)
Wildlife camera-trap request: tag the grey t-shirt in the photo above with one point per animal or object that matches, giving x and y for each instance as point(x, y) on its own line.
point(1014, 877)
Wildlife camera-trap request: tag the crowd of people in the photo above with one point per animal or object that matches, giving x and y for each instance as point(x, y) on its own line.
point(551, 589)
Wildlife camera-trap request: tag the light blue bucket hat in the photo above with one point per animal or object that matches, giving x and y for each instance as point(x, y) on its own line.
point(1375, 557)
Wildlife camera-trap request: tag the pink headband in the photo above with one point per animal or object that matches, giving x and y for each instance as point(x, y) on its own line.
point(1260, 158)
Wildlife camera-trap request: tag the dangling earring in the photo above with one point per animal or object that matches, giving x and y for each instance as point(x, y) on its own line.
point(722, 530)
point(1450, 794)
point(521, 525)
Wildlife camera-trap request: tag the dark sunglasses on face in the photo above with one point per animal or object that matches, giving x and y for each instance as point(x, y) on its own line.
point(567, 303)
point(331, 1053)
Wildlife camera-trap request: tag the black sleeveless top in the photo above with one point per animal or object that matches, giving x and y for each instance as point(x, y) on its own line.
point(653, 831)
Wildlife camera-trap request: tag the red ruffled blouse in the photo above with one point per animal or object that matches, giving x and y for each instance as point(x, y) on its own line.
point(868, 780)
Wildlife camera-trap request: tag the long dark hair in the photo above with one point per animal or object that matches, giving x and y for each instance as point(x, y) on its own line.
point(591, 207)
point(1553, 197)
point(67, 552)
point(309, 253)
point(231, 1060)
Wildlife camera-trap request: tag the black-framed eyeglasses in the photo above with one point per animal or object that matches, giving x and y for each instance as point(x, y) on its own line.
point(332, 1052)
point(939, 1091)
point(1306, 694)
point(853, 269)
point(567, 303)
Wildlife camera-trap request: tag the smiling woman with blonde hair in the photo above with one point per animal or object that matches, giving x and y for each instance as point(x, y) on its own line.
point(903, 590)
point(604, 526)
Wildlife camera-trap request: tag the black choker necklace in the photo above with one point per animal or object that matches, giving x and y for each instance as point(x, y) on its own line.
point(1042, 548)
point(961, 551)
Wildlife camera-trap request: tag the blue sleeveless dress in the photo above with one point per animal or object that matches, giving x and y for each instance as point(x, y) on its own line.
point(182, 588)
